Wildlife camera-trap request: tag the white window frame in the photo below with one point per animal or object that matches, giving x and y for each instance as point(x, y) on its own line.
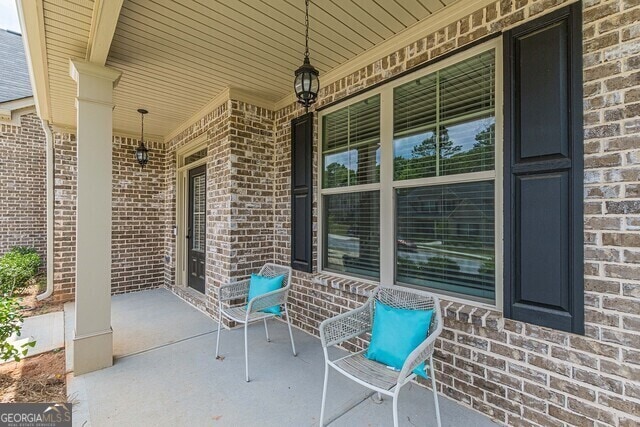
point(387, 186)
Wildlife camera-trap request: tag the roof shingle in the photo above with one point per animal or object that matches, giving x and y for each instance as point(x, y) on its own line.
point(14, 73)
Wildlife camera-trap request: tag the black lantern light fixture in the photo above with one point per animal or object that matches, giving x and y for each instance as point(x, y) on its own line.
point(142, 153)
point(306, 83)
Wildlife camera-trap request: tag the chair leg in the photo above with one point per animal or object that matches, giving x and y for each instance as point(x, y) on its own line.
point(395, 409)
point(266, 330)
point(435, 390)
point(293, 346)
point(219, 327)
point(246, 352)
point(324, 393)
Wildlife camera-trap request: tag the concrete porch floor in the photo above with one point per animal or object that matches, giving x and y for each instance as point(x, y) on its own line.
point(166, 374)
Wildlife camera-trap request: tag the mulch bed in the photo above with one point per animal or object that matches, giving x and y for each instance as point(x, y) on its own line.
point(39, 379)
point(33, 307)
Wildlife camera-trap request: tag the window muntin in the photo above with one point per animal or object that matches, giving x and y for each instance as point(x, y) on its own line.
point(199, 212)
point(460, 147)
point(352, 233)
point(351, 145)
point(200, 154)
point(436, 121)
point(445, 237)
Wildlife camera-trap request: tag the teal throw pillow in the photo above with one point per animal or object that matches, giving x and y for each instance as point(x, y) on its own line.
point(260, 285)
point(396, 333)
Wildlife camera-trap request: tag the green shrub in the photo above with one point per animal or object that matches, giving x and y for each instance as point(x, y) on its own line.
point(442, 264)
point(23, 250)
point(10, 323)
point(17, 268)
point(488, 268)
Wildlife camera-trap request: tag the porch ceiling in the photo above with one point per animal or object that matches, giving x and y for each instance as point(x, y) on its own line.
point(177, 55)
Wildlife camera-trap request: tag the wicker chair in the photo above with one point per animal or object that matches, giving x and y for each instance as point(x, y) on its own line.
point(234, 296)
point(371, 374)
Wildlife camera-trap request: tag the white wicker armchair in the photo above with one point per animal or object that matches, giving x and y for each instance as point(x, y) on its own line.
point(371, 374)
point(232, 304)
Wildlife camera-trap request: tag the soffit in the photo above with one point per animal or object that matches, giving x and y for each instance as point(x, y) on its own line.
point(67, 24)
point(177, 55)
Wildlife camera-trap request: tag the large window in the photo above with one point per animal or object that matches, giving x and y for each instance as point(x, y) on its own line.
point(440, 129)
point(350, 171)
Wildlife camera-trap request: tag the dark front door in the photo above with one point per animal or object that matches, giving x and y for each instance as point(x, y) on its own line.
point(197, 231)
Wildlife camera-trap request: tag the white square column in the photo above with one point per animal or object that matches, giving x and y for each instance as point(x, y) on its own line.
point(92, 336)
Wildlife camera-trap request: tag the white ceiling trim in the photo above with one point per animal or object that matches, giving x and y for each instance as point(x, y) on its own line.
point(218, 100)
point(226, 95)
point(103, 27)
point(121, 133)
point(31, 15)
point(10, 111)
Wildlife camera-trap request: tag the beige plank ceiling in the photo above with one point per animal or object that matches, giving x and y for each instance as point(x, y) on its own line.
point(177, 55)
point(67, 26)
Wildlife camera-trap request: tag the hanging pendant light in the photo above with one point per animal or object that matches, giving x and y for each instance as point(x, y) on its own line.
point(306, 83)
point(142, 153)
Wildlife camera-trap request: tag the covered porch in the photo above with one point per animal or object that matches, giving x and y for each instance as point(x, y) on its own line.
point(165, 374)
point(417, 182)
point(216, 81)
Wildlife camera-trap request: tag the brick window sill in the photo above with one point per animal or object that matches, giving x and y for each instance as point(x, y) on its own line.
point(460, 312)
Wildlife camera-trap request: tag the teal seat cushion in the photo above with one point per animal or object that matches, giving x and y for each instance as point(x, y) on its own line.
point(260, 285)
point(396, 333)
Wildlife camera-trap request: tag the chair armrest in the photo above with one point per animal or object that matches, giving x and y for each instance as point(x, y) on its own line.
point(346, 325)
point(234, 291)
point(277, 297)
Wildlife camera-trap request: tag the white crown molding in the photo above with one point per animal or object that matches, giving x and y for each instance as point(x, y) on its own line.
point(226, 95)
point(68, 128)
point(11, 111)
point(79, 67)
point(17, 104)
point(249, 97)
point(218, 100)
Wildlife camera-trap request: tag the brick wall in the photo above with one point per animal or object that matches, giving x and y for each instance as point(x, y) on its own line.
point(23, 188)
point(138, 212)
point(138, 209)
point(240, 175)
point(214, 128)
point(518, 373)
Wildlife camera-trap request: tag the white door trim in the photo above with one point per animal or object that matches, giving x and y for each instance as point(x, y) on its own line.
point(182, 197)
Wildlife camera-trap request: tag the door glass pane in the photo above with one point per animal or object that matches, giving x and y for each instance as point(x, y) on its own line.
point(201, 154)
point(351, 145)
point(199, 212)
point(352, 233)
point(445, 238)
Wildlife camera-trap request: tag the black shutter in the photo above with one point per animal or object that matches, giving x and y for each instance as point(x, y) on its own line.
point(543, 254)
point(302, 192)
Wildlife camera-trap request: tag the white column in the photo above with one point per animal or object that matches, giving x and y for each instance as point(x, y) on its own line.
point(92, 339)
